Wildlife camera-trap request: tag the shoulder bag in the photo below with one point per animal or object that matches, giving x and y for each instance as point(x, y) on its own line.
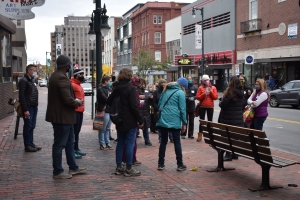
point(159, 111)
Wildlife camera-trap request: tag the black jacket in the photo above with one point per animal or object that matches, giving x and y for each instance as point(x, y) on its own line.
point(28, 93)
point(156, 97)
point(190, 93)
point(102, 96)
point(246, 96)
point(145, 109)
point(231, 111)
point(129, 107)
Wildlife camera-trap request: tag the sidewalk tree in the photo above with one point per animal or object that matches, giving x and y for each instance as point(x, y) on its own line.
point(145, 62)
point(106, 69)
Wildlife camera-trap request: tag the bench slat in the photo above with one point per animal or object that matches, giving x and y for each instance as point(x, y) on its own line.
point(283, 161)
point(241, 130)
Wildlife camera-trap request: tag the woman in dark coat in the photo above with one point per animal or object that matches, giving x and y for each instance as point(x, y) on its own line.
point(231, 108)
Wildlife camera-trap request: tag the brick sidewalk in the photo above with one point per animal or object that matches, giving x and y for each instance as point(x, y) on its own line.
point(29, 175)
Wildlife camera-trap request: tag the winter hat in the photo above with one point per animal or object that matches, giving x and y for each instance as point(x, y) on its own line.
point(135, 80)
point(77, 71)
point(183, 82)
point(63, 61)
point(205, 77)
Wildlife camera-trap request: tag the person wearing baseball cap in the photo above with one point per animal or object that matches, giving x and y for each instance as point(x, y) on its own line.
point(206, 94)
point(62, 115)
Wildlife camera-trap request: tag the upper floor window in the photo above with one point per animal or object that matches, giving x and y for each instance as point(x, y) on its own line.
point(154, 19)
point(158, 56)
point(253, 9)
point(159, 19)
point(157, 37)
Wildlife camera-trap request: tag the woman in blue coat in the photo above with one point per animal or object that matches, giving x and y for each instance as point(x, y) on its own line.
point(172, 119)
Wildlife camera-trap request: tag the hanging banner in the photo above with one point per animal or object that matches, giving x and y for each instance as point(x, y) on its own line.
point(292, 31)
point(198, 36)
point(19, 9)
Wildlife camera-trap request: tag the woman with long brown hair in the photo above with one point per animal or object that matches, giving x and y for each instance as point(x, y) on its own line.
point(231, 108)
point(259, 102)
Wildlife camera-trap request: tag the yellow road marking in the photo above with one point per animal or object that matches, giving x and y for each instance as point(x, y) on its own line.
point(276, 119)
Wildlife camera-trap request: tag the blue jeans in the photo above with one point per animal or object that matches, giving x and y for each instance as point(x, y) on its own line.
point(63, 139)
point(77, 128)
point(29, 125)
point(146, 134)
point(258, 123)
point(125, 138)
point(103, 134)
point(163, 145)
point(159, 135)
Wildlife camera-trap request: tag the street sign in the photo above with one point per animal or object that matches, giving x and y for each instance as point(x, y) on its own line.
point(249, 59)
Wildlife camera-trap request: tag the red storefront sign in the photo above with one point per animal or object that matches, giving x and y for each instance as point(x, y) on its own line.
point(215, 58)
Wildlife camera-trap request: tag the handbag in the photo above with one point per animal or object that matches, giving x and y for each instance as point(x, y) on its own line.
point(248, 114)
point(98, 120)
point(159, 111)
point(197, 110)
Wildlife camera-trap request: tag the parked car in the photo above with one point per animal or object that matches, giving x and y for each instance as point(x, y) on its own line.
point(43, 83)
point(288, 94)
point(87, 88)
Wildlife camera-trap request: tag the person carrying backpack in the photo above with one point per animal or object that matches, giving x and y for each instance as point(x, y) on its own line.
point(128, 120)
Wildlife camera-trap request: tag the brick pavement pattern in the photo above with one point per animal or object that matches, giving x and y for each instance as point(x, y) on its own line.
point(29, 175)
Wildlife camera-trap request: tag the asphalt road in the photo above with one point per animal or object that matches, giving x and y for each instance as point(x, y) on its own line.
point(282, 126)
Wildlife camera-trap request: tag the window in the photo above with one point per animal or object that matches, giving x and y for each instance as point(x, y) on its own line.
point(154, 19)
point(159, 19)
point(297, 85)
point(148, 38)
point(157, 38)
point(158, 56)
point(288, 86)
point(253, 9)
point(19, 23)
point(143, 40)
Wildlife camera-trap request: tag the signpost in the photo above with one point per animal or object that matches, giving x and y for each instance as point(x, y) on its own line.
point(19, 9)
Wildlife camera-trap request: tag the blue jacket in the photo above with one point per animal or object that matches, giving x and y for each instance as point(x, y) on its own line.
point(271, 82)
point(175, 110)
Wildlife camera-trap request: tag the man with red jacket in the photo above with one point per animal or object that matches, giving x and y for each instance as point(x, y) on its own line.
point(76, 80)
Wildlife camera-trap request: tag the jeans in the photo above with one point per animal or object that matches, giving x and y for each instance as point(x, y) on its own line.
point(190, 116)
point(146, 134)
point(134, 150)
point(202, 112)
point(103, 134)
point(258, 123)
point(77, 128)
point(29, 125)
point(163, 145)
point(63, 139)
point(159, 135)
point(125, 138)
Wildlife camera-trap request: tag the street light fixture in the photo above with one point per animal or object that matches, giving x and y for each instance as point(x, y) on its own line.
point(202, 40)
point(100, 27)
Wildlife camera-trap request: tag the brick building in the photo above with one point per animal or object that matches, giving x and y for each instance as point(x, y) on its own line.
point(148, 29)
point(267, 32)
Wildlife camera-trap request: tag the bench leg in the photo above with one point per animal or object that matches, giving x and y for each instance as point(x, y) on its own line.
point(220, 163)
point(17, 127)
point(265, 183)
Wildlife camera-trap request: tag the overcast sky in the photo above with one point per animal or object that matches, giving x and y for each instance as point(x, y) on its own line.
point(53, 12)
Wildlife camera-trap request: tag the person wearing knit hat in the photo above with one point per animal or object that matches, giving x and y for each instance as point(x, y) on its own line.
point(206, 95)
point(172, 118)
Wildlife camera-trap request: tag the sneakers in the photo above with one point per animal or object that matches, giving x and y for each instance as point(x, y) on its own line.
point(181, 167)
point(191, 137)
point(136, 163)
point(148, 143)
point(30, 149)
point(78, 151)
point(108, 147)
point(132, 172)
point(161, 167)
point(78, 156)
point(182, 137)
point(80, 170)
point(38, 147)
point(102, 147)
point(62, 176)
point(120, 171)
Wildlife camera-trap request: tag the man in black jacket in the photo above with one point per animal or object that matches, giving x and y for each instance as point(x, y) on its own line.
point(190, 108)
point(29, 100)
point(131, 119)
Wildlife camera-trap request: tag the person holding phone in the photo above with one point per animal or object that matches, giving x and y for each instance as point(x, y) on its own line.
point(206, 94)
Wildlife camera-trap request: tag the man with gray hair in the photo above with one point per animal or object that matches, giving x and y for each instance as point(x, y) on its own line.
point(61, 113)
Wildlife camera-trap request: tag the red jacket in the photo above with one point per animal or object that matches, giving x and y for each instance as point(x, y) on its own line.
point(79, 93)
point(207, 100)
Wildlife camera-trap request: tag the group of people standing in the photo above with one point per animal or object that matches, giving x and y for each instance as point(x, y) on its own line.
point(167, 108)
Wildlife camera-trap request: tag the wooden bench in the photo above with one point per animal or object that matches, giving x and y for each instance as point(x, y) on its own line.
point(248, 143)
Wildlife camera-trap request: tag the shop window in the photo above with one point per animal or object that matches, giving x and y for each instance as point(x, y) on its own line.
point(5, 67)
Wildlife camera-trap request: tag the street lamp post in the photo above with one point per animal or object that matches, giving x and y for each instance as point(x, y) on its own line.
point(202, 40)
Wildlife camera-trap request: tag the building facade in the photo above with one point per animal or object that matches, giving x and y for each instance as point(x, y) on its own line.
point(148, 23)
point(72, 39)
point(110, 43)
point(267, 40)
point(219, 41)
point(7, 83)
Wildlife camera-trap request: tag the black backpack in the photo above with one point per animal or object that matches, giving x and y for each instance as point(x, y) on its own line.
point(115, 110)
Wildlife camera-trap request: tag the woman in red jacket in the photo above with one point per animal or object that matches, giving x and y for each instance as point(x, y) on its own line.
point(206, 95)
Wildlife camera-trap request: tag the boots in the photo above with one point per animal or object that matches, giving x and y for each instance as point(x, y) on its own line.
point(229, 156)
point(199, 137)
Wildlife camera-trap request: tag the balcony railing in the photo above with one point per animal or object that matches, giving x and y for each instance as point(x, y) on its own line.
point(253, 25)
